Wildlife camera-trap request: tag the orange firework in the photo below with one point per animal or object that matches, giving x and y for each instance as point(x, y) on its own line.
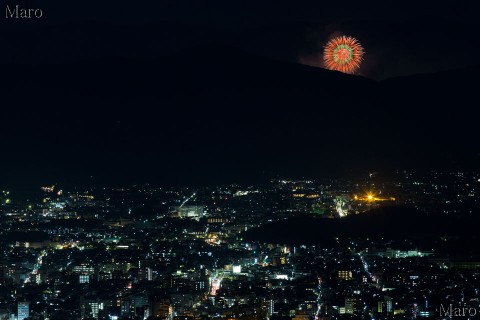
point(343, 54)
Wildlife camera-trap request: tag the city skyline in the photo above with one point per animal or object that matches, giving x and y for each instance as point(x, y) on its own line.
point(137, 252)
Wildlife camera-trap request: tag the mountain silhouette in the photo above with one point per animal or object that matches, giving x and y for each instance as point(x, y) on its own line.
point(214, 113)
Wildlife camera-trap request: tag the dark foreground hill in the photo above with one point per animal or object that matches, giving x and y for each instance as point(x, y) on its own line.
point(388, 222)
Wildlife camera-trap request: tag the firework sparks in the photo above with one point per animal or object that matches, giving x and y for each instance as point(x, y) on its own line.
point(343, 54)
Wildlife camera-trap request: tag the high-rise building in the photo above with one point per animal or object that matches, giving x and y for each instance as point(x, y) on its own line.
point(92, 307)
point(381, 307)
point(271, 308)
point(389, 304)
point(23, 310)
point(145, 274)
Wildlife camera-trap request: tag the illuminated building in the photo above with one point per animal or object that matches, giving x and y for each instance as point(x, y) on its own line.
point(23, 310)
point(218, 220)
point(214, 285)
point(350, 304)
point(95, 308)
point(237, 269)
point(83, 278)
point(380, 306)
point(149, 274)
point(385, 306)
point(84, 269)
point(388, 302)
point(341, 206)
point(187, 211)
point(345, 275)
point(299, 195)
point(145, 273)
point(271, 308)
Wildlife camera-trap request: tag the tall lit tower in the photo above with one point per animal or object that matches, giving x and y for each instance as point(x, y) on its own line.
point(23, 310)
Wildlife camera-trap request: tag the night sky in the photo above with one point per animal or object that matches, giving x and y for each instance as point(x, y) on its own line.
point(177, 92)
point(400, 38)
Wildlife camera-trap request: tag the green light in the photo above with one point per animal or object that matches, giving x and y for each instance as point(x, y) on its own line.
point(344, 60)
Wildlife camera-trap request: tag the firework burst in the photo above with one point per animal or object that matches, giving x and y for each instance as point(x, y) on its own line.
point(343, 54)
